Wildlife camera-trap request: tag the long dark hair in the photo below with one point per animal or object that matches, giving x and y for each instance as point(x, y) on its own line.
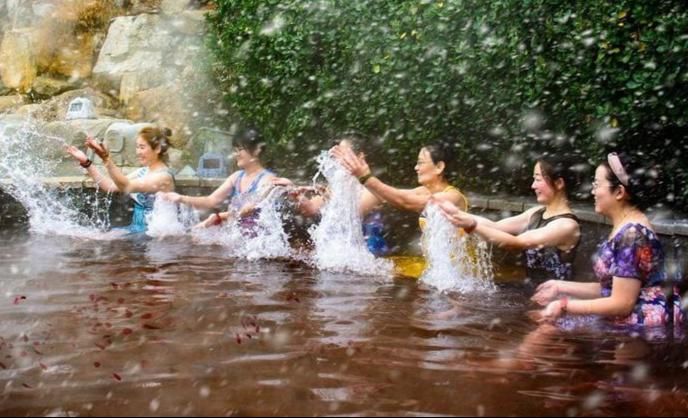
point(358, 140)
point(561, 166)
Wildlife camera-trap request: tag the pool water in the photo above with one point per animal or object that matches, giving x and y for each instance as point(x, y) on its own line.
point(171, 327)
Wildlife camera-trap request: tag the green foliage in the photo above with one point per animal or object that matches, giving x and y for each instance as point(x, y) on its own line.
point(499, 79)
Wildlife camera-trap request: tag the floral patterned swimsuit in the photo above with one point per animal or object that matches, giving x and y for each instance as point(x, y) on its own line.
point(549, 262)
point(636, 253)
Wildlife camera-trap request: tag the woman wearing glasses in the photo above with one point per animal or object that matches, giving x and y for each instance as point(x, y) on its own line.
point(629, 264)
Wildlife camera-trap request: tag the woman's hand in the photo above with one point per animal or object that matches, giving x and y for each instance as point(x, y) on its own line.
point(170, 196)
point(456, 216)
point(354, 164)
point(212, 220)
point(282, 181)
point(247, 210)
point(77, 154)
point(546, 292)
point(100, 149)
point(551, 312)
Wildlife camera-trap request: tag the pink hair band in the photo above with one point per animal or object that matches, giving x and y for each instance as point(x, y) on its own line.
point(617, 168)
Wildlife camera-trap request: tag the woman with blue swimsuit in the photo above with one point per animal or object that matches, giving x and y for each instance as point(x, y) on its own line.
point(432, 173)
point(141, 185)
point(369, 205)
point(243, 189)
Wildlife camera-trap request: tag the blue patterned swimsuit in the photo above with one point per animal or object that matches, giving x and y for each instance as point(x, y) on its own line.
point(143, 204)
point(237, 199)
point(373, 233)
point(635, 253)
point(549, 262)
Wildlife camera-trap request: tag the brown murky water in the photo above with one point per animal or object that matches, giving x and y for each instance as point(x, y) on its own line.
point(174, 328)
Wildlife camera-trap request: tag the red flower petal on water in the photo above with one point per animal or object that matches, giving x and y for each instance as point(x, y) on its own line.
point(147, 316)
point(96, 364)
point(114, 285)
point(128, 314)
point(118, 377)
point(238, 339)
point(127, 331)
point(120, 301)
point(3, 365)
point(101, 346)
point(27, 386)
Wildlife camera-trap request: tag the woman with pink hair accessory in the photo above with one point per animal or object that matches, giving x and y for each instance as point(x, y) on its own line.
point(632, 285)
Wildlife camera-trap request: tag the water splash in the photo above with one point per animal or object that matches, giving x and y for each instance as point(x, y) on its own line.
point(169, 219)
point(455, 261)
point(25, 161)
point(338, 238)
point(265, 238)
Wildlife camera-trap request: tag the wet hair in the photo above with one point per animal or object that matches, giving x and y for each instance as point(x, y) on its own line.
point(157, 137)
point(441, 151)
point(561, 166)
point(645, 180)
point(357, 140)
point(251, 140)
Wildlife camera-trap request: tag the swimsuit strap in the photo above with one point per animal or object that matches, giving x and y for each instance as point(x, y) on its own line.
point(450, 188)
point(254, 184)
point(237, 184)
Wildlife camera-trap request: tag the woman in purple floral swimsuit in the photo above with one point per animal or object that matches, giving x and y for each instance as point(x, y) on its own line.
point(632, 287)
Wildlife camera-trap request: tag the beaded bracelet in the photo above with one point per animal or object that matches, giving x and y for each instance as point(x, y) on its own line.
point(86, 164)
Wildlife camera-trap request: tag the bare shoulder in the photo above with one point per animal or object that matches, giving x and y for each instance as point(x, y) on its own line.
point(531, 211)
point(454, 196)
point(565, 223)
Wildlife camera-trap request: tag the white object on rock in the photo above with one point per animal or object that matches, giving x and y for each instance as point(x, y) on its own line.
point(187, 171)
point(81, 108)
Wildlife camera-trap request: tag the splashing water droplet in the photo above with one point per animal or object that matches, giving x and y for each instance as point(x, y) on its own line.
point(455, 260)
point(339, 242)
